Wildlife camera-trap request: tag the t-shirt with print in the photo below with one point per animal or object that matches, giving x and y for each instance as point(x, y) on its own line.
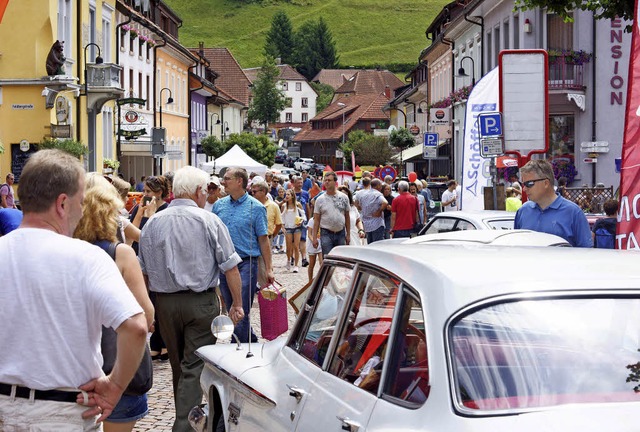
point(332, 209)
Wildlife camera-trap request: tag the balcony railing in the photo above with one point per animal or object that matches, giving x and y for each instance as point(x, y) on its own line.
point(565, 75)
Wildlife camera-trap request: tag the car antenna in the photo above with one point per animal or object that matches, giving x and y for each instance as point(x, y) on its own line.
point(249, 353)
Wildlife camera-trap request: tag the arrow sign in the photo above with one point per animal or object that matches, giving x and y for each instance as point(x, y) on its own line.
point(490, 124)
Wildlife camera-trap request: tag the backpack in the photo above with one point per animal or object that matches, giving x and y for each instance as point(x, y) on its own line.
point(143, 379)
point(604, 239)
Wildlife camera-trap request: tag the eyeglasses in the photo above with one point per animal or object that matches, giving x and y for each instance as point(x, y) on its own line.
point(529, 184)
point(212, 187)
point(227, 178)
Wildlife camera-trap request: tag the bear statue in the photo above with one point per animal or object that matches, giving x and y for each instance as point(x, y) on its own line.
point(55, 59)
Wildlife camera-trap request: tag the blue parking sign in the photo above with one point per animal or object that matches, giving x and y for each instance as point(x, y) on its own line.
point(490, 124)
point(431, 139)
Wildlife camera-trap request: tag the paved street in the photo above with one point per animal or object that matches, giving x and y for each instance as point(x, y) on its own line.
point(161, 413)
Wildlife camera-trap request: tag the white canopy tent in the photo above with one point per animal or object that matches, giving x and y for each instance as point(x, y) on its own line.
point(235, 157)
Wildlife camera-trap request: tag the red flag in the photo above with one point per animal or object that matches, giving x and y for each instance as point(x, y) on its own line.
point(628, 231)
point(3, 7)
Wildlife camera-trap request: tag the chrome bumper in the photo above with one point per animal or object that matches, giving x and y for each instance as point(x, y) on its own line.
point(199, 417)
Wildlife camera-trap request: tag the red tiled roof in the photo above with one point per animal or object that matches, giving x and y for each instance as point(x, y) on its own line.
point(287, 73)
point(370, 82)
point(334, 77)
point(231, 80)
point(358, 108)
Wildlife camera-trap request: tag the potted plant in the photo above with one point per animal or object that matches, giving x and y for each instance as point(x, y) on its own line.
point(110, 164)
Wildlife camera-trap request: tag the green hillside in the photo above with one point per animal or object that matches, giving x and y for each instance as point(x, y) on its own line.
point(367, 32)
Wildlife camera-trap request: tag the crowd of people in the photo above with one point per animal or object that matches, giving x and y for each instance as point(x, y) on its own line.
point(159, 269)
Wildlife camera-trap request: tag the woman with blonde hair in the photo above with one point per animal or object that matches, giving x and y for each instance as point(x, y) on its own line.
point(99, 225)
point(292, 218)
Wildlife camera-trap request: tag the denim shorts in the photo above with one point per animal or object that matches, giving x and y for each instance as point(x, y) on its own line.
point(129, 408)
point(294, 230)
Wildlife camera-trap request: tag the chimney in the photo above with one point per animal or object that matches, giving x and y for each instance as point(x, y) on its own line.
point(387, 92)
point(278, 60)
point(201, 48)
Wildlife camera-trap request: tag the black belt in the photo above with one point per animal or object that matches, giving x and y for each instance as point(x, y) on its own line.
point(250, 258)
point(208, 290)
point(49, 395)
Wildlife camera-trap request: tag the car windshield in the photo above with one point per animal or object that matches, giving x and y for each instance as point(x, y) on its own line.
point(540, 353)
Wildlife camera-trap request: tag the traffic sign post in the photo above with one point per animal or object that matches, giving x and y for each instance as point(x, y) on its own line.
point(491, 147)
point(490, 124)
point(430, 147)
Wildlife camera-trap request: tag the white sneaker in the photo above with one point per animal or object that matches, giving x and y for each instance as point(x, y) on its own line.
point(295, 269)
point(288, 265)
point(274, 250)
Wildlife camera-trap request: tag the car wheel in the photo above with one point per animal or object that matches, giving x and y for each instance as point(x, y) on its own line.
point(220, 425)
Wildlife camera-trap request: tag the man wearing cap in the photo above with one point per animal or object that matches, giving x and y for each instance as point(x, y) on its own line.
point(214, 192)
point(6, 193)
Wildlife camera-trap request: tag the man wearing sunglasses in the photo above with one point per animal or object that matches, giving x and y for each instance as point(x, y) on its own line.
point(547, 212)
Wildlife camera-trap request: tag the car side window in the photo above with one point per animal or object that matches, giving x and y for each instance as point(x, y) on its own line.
point(325, 313)
point(407, 375)
point(463, 225)
point(441, 225)
point(363, 341)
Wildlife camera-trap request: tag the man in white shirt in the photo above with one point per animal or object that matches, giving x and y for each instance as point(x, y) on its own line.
point(56, 295)
point(449, 200)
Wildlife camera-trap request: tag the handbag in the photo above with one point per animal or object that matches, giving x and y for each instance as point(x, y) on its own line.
point(273, 311)
point(142, 381)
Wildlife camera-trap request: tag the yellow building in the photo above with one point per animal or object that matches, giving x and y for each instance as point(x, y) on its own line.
point(43, 92)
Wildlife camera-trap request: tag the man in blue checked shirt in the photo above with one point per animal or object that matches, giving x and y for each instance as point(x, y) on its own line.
point(246, 220)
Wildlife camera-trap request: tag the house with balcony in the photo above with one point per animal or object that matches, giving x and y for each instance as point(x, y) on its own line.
point(579, 110)
point(71, 100)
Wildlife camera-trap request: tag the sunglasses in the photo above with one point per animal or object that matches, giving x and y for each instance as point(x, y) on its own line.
point(529, 184)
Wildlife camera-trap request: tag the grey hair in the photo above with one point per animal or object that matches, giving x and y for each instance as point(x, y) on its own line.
point(403, 186)
point(262, 185)
point(187, 179)
point(541, 167)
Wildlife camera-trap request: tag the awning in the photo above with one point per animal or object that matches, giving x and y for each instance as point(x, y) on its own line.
point(414, 152)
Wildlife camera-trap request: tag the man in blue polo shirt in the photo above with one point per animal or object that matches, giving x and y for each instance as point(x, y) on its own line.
point(246, 220)
point(547, 212)
point(10, 219)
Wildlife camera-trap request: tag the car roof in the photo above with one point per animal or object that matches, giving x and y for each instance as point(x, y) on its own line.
point(478, 214)
point(492, 237)
point(461, 273)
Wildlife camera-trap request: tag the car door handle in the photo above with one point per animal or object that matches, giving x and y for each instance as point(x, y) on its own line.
point(296, 392)
point(348, 425)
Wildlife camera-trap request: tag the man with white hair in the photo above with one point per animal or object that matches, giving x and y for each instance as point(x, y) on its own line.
point(183, 251)
point(404, 212)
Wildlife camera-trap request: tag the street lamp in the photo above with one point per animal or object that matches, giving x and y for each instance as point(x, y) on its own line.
point(211, 121)
point(170, 100)
point(99, 60)
point(463, 74)
point(226, 129)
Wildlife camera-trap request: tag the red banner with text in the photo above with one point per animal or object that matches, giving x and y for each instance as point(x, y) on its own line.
point(628, 231)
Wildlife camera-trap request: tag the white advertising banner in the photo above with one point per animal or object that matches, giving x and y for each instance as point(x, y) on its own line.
point(475, 168)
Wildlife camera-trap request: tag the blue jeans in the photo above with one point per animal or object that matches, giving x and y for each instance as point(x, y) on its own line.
point(129, 408)
point(249, 276)
point(375, 235)
point(402, 233)
point(330, 239)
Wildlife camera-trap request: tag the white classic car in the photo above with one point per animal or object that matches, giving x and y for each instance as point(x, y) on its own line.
point(442, 336)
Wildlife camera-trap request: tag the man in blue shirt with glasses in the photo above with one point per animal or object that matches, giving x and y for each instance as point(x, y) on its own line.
point(547, 212)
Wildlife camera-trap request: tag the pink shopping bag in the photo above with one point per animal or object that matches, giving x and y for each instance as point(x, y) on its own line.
point(273, 311)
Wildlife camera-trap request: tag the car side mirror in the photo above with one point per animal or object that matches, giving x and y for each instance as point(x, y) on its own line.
point(222, 328)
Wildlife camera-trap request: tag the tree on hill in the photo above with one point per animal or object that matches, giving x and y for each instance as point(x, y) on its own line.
point(259, 147)
point(280, 40)
point(268, 100)
point(368, 149)
point(600, 8)
point(325, 95)
point(315, 48)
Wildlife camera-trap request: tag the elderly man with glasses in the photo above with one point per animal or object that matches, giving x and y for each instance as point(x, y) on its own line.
point(547, 212)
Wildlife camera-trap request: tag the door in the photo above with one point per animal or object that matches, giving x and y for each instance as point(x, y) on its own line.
point(345, 392)
point(300, 362)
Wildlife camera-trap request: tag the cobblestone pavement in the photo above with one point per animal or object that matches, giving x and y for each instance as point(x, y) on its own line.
point(161, 411)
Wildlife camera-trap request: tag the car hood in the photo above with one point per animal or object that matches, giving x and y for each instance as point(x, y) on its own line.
point(234, 361)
